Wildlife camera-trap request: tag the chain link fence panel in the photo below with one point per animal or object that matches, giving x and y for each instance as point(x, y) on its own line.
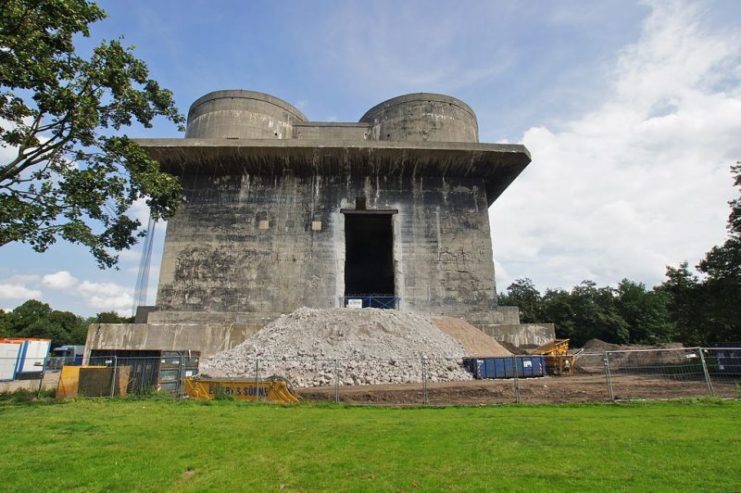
point(579, 377)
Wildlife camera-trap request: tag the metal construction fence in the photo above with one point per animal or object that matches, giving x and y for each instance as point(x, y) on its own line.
point(579, 377)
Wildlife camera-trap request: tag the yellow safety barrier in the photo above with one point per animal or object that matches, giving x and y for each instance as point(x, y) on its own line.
point(271, 390)
point(69, 381)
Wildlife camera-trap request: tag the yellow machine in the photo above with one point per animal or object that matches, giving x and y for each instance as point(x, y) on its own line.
point(556, 355)
point(270, 390)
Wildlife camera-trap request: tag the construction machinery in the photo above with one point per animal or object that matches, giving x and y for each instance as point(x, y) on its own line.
point(557, 358)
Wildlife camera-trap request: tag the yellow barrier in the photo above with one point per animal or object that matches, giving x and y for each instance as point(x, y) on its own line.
point(69, 381)
point(270, 390)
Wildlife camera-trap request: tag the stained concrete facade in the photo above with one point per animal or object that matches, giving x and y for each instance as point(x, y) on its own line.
point(267, 196)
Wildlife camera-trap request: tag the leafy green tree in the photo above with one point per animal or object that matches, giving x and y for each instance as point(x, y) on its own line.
point(557, 308)
point(597, 315)
point(4, 324)
point(685, 304)
point(72, 176)
point(722, 286)
point(586, 312)
point(523, 294)
point(36, 319)
point(708, 310)
point(645, 312)
point(110, 318)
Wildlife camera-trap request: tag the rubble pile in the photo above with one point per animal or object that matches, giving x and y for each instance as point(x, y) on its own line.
point(313, 347)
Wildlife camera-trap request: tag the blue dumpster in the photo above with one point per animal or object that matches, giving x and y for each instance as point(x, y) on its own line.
point(505, 366)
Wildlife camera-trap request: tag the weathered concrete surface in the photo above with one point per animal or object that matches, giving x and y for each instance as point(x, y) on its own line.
point(423, 117)
point(496, 164)
point(245, 243)
point(51, 379)
point(239, 114)
point(209, 339)
point(507, 315)
point(521, 334)
point(332, 131)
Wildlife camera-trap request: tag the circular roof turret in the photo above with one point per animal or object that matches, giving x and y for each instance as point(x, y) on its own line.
point(423, 117)
point(240, 114)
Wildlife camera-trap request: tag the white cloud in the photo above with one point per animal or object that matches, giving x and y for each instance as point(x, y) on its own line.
point(23, 279)
point(18, 292)
point(106, 296)
point(60, 280)
point(139, 210)
point(640, 182)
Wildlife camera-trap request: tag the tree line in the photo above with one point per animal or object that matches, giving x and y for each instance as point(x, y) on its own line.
point(36, 319)
point(691, 308)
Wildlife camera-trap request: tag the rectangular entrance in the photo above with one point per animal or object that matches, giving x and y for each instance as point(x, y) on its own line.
point(369, 259)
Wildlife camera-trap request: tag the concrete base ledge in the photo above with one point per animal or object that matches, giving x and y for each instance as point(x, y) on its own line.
point(521, 334)
point(208, 339)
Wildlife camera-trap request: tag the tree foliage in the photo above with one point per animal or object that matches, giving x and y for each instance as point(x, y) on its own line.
point(36, 319)
point(71, 175)
point(523, 294)
point(628, 314)
point(110, 318)
point(708, 309)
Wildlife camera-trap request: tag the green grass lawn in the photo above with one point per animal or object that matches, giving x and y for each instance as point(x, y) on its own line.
point(155, 445)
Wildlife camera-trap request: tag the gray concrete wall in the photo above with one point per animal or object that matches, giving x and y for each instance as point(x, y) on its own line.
point(208, 339)
point(521, 334)
point(266, 245)
point(239, 114)
point(423, 117)
point(332, 131)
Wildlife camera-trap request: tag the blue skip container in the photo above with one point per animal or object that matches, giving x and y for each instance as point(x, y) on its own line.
point(506, 366)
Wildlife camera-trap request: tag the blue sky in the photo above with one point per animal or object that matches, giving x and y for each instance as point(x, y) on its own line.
point(632, 112)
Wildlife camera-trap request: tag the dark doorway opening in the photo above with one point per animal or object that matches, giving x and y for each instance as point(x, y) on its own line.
point(369, 258)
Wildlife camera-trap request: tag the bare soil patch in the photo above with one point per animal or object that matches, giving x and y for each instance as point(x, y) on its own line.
point(562, 389)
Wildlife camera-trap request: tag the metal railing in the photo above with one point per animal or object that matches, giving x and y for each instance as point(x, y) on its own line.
point(384, 301)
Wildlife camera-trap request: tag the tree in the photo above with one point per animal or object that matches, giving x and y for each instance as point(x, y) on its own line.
point(36, 319)
point(4, 324)
point(523, 294)
point(722, 286)
point(70, 178)
point(557, 308)
point(645, 312)
point(586, 312)
point(596, 314)
point(109, 318)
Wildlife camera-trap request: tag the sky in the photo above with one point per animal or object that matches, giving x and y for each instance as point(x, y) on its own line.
point(631, 111)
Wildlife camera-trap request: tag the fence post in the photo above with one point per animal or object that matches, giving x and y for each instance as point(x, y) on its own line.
point(113, 375)
point(336, 382)
point(705, 371)
point(608, 376)
point(257, 379)
point(426, 398)
point(41, 381)
point(181, 375)
point(516, 381)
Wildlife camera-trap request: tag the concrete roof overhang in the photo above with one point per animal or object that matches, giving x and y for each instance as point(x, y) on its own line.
point(497, 164)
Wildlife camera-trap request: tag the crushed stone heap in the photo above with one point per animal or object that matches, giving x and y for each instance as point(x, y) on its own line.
point(371, 346)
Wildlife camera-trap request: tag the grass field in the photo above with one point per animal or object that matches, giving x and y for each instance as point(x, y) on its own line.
point(155, 445)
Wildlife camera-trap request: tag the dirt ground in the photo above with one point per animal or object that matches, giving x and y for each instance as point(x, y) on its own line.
point(562, 389)
point(475, 342)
